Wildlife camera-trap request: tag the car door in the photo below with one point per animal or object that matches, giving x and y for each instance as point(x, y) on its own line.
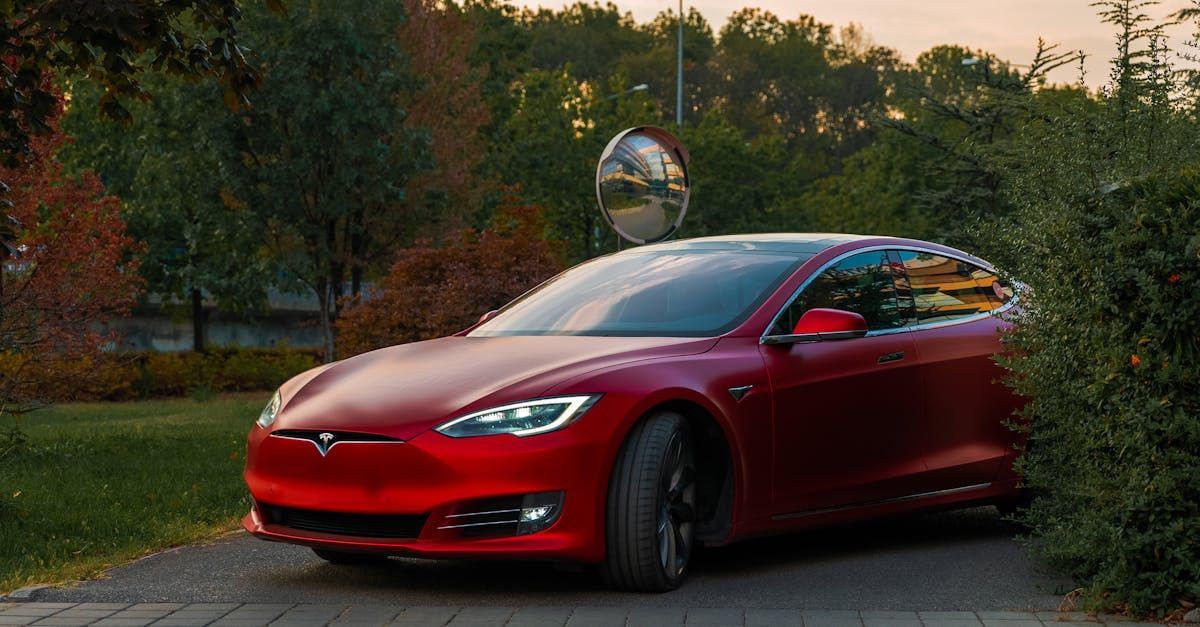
point(965, 404)
point(846, 412)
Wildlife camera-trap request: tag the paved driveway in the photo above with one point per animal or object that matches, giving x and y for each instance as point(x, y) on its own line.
point(964, 560)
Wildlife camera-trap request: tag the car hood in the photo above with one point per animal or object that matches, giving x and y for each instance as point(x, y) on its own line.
point(404, 390)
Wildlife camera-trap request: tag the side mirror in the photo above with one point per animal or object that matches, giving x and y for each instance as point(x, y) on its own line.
point(820, 325)
point(487, 316)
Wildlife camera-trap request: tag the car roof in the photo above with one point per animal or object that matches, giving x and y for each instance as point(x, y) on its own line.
point(809, 243)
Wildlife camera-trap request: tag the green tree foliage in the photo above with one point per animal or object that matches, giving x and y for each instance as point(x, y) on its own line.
point(654, 64)
point(771, 107)
point(934, 174)
point(590, 38)
point(326, 155)
point(112, 42)
point(192, 180)
point(724, 162)
point(173, 166)
point(548, 150)
point(875, 192)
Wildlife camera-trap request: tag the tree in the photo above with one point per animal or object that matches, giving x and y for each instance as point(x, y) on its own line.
point(774, 73)
point(934, 172)
point(449, 105)
point(501, 52)
point(433, 291)
point(549, 147)
point(738, 184)
point(327, 155)
point(875, 192)
point(589, 38)
point(655, 64)
point(172, 165)
point(113, 42)
point(69, 270)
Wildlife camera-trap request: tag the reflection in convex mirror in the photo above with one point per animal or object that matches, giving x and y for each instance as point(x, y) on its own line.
point(642, 184)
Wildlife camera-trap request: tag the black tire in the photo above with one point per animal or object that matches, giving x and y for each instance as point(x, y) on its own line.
point(350, 559)
point(650, 527)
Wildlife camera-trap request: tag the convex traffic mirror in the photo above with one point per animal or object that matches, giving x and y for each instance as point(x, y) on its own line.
point(642, 184)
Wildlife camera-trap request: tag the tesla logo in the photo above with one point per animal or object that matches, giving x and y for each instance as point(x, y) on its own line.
point(326, 442)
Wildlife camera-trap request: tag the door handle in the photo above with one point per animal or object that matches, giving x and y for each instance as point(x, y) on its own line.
point(896, 356)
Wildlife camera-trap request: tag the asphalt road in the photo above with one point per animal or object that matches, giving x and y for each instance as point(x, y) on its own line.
point(964, 560)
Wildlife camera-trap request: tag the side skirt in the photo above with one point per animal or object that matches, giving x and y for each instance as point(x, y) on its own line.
point(898, 499)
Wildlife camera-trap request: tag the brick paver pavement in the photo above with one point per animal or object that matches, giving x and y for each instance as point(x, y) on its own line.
point(311, 615)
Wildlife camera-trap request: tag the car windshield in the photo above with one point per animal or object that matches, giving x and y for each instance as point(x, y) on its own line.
point(671, 293)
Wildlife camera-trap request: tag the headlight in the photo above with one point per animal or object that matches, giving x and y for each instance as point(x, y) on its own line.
point(267, 417)
point(524, 418)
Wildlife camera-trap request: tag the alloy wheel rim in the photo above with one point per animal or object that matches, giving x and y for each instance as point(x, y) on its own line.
point(677, 506)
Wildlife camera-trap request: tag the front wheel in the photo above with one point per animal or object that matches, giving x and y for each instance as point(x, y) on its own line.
point(652, 506)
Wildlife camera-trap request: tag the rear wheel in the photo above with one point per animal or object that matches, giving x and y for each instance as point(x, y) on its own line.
point(651, 513)
point(341, 557)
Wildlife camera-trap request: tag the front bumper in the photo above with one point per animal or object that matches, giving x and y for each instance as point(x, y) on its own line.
point(436, 477)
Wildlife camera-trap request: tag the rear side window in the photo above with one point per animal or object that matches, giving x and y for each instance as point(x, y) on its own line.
point(861, 283)
point(943, 288)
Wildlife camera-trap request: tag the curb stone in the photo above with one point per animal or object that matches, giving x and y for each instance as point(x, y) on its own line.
point(23, 594)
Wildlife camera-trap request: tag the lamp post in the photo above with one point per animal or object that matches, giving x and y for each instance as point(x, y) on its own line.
point(679, 72)
point(641, 87)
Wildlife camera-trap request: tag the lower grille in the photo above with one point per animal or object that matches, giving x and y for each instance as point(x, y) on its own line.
point(342, 524)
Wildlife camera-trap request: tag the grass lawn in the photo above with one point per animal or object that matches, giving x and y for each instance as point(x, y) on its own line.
point(101, 483)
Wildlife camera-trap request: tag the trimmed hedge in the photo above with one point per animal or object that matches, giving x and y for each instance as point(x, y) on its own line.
point(127, 376)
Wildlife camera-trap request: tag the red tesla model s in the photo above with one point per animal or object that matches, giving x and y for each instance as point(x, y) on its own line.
point(694, 391)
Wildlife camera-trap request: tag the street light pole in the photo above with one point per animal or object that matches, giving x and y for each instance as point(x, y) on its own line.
point(641, 87)
point(679, 72)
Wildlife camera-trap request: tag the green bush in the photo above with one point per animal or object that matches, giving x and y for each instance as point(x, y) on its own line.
point(125, 376)
point(261, 370)
point(1109, 351)
point(1106, 233)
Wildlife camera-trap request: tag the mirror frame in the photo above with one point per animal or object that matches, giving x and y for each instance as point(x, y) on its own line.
point(670, 143)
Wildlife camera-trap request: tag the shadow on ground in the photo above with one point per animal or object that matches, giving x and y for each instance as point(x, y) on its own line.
point(944, 561)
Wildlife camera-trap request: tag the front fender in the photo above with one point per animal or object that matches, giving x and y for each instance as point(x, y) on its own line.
point(636, 389)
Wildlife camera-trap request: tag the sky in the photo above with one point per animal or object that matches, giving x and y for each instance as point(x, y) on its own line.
point(1007, 28)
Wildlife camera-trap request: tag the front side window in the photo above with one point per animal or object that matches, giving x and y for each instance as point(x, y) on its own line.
point(862, 283)
point(666, 293)
point(944, 288)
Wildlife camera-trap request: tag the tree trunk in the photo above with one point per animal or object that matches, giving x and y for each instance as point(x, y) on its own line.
point(198, 321)
point(358, 249)
point(356, 276)
point(325, 300)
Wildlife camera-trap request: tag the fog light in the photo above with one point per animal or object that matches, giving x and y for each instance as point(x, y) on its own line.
point(539, 511)
point(532, 514)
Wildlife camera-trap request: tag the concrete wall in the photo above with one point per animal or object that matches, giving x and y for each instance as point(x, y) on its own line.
point(157, 331)
point(290, 320)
